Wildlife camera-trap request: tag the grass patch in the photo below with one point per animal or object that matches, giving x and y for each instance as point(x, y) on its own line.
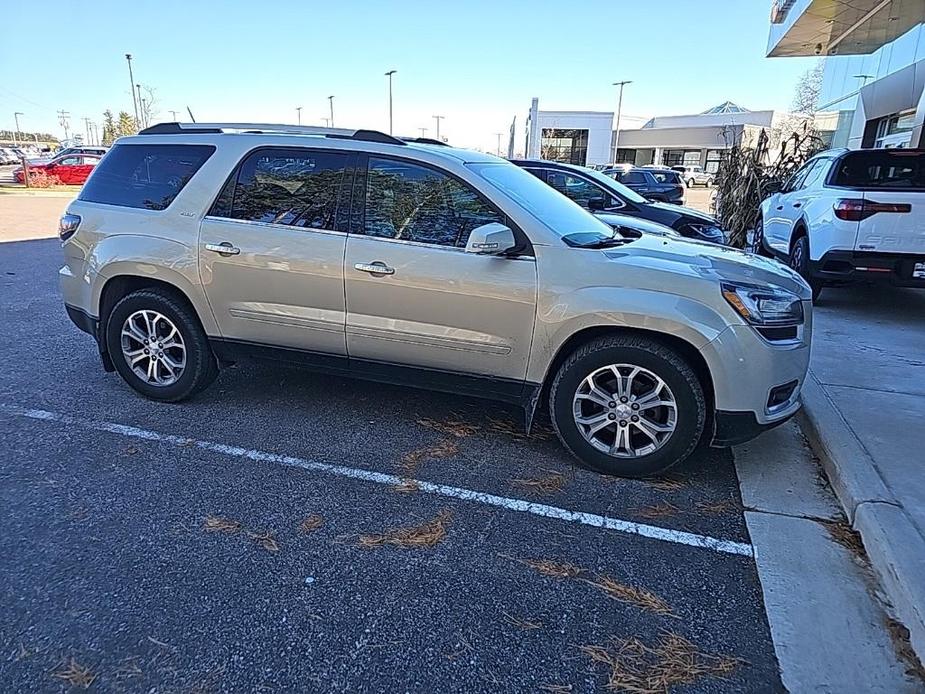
point(634, 666)
point(442, 449)
point(311, 523)
point(406, 487)
point(450, 427)
point(265, 539)
point(842, 534)
point(660, 510)
point(631, 595)
point(899, 635)
point(549, 484)
point(423, 536)
point(521, 623)
point(217, 524)
point(75, 674)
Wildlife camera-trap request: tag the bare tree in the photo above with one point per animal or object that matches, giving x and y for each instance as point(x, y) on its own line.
point(149, 112)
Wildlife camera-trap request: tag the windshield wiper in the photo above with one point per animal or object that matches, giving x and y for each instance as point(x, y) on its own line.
point(594, 241)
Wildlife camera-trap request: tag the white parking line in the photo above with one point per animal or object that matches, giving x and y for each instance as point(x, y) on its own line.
point(591, 519)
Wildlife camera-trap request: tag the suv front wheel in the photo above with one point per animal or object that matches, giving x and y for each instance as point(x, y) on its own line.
point(627, 405)
point(158, 346)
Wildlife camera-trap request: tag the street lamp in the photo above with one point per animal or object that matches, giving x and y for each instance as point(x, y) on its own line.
point(141, 110)
point(16, 118)
point(173, 115)
point(298, 111)
point(616, 136)
point(331, 103)
point(327, 122)
point(423, 132)
point(389, 75)
point(131, 78)
point(499, 142)
point(438, 119)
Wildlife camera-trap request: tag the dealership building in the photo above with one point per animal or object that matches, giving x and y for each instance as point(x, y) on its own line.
point(873, 86)
point(588, 138)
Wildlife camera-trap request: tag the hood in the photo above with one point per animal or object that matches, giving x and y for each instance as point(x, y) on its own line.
point(688, 211)
point(708, 261)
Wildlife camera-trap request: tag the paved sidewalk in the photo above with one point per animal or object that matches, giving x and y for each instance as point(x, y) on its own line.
point(864, 407)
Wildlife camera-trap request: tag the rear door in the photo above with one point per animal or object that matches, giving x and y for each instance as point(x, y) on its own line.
point(271, 251)
point(433, 305)
point(66, 168)
point(892, 185)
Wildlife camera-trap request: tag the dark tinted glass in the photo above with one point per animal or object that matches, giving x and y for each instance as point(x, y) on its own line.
point(634, 177)
point(289, 186)
point(414, 203)
point(578, 189)
point(145, 176)
point(882, 169)
point(666, 177)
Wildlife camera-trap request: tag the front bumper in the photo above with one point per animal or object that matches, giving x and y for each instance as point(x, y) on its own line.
point(733, 428)
point(749, 373)
point(868, 266)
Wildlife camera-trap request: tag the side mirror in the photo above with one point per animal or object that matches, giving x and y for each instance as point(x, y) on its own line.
point(772, 187)
point(490, 239)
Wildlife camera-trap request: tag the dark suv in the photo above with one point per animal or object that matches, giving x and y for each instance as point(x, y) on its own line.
point(608, 199)
point(663, 185)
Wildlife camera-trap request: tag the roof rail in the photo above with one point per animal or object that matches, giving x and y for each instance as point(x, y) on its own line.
point(212, 128)
point(425, 141)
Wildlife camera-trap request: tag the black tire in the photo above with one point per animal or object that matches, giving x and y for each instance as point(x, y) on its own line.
point(201, 367)
point(690, 183)
point(799, 261)
point(757, 246)
point(649, 354)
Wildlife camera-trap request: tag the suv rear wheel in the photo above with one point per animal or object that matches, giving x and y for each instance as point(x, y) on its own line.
point(158, 346)
point(627, 406)
point(799, 261)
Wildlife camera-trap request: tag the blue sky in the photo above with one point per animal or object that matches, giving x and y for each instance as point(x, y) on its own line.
point(476, 62)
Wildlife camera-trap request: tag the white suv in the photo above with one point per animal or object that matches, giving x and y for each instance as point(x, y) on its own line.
point(694, 176)
point(363, 254)
point(850, 215)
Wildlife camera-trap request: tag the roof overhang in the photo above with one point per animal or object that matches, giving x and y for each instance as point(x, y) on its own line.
point(839, 27)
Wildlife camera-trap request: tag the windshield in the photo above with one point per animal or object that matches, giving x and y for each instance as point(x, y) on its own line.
point(615, 186)
point(550, 207)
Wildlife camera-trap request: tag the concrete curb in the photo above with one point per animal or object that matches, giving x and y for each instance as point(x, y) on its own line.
point(894, 545)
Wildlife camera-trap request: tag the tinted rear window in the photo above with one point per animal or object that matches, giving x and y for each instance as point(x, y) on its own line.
point(666, 176)
point(144, 176)
point(882, 169)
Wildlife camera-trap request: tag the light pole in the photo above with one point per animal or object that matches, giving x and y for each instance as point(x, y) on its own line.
point(16, 118)
point(438, 119)
point(173, 115)
point(87, 125)
point(423, 132)
point(616, 136)
point(389, 75)
point(298, 112)
point(331, 103)
point(131, 78)
point(327, 122)
point(499, 142)
point(140, 119)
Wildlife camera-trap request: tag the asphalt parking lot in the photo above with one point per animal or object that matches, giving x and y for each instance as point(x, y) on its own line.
point(245, 541)
point(286, 531)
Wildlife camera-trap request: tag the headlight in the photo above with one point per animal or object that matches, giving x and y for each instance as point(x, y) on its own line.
point(764, 305)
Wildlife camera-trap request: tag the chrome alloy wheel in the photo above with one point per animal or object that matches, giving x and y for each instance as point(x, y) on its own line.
point(625, 411)
point(153, 348)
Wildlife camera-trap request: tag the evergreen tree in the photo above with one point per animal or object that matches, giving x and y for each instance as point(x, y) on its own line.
point(109, 128)
point(126, 125)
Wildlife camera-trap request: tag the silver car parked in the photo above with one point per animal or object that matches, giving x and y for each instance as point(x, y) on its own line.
point(354, 252)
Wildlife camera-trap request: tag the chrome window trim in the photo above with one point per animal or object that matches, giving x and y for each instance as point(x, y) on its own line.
point(274, 225)
point(437, 246)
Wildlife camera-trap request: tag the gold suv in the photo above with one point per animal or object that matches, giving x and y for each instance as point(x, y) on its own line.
point(408, 261)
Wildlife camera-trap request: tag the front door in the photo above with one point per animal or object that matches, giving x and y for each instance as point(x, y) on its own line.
point(433, 305)
point(271, 251)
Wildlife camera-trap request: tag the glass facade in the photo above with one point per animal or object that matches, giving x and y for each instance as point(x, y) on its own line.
point(844, 76)
point(569, 146)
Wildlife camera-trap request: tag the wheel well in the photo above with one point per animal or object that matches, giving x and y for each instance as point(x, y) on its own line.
point(690, 354)
point(799, 231)
point(118, 287)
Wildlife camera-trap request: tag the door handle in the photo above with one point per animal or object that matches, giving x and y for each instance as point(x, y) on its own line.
point(223, 248)
point(376, 268)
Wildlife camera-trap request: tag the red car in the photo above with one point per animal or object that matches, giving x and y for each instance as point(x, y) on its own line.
point(71, 169)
